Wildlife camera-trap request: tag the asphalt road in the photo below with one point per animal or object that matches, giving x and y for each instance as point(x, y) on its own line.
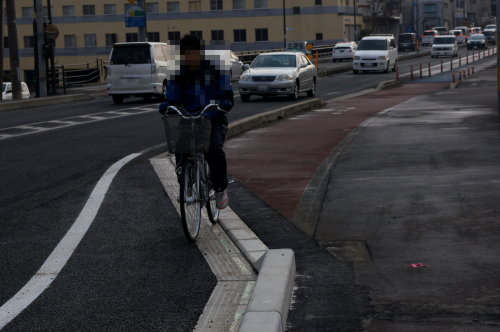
point(135, 250)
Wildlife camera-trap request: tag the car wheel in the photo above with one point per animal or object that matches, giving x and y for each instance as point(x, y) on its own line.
point(312, 92)
point(117, 99)
point(245, 98)
point(295, 94)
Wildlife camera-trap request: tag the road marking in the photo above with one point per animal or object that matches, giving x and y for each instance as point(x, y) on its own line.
point(34, 128)
point(51, 268)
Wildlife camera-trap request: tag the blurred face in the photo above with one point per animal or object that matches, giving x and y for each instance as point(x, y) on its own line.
point(192, 58)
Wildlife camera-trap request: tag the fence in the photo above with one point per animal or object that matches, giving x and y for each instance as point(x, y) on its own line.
point(66, 76)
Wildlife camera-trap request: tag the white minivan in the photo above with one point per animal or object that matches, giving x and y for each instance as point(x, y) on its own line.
point(376, 53)
point(7, 91)
point(138, 69)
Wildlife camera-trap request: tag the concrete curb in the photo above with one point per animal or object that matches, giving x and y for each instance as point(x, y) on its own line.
point(22, 104)
point(259, 120)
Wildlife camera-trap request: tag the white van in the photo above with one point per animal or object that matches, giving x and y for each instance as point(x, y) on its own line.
point(7, 91)
point(376, 53)
point(138, 69)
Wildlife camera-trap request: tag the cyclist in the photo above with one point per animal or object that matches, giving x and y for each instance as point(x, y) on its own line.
point(197, 84)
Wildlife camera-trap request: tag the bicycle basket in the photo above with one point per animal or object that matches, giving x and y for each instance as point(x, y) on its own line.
point(187, 135)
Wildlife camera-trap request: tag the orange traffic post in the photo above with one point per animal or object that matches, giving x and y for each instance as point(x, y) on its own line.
point(411, 73)
point(420, 70)
point(441, 66)
point(317, 62)
point(429, 66)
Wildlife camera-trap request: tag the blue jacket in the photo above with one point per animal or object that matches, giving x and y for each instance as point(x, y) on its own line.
point(193, 91)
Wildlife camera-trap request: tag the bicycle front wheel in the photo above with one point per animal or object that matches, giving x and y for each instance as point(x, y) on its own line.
point(190, 202)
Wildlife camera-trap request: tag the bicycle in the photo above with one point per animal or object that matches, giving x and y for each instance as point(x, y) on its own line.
point(189, 134)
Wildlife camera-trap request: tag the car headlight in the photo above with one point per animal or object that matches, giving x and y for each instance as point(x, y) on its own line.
point(284, 77)
point(245, 78)
point(382, 57)
point(357, 58)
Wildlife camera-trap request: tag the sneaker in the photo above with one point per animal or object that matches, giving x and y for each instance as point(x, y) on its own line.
point(221, 199)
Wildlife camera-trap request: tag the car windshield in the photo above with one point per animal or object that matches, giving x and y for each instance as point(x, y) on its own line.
point(130, 54)
point(405, 38)
point(429, 33)
point(450, 40)
point(476, 37)
point(372, 45)
point(457, 33)
point(269, 61)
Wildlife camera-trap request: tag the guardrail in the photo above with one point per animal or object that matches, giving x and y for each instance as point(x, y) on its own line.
point(249, 56)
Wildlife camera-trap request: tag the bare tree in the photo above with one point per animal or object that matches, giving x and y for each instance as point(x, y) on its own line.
point(15, 70)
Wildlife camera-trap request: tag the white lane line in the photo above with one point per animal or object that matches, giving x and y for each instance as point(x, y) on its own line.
point(61, 254)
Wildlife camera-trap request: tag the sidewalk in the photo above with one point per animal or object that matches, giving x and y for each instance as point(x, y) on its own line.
point(278, 162)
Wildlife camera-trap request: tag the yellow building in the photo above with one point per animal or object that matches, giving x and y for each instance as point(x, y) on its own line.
point(88, 28)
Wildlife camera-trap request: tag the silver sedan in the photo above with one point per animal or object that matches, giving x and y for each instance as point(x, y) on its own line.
point(279, 73)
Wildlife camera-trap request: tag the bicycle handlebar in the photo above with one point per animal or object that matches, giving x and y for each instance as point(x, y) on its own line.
point(181, 113)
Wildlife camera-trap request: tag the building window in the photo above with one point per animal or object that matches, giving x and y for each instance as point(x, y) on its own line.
point(174, 35)
point(132, 37)
point(68, 10)
point(318, 2)
point(260, 4)
point(88, 10)
point(152, 8)
point(239, 4)
point(90, 40)
point(240, 35)
point(111, 38)
point(296, 10)
point(109, 9)
point(28, 42)
point(173, 7)
point(217, 35)
point(69, 41)
point(430, 8)
point(194, 6)
point(261, 35)
point(153, 36)
point(216, 5)
point(197, 33)
point(319, 35)
point(27, 12)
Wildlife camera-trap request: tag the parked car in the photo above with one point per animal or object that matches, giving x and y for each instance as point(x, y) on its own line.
point(490, 26)
point(477, 41)
point(343, 51)
point(139, 69)
point(476, 30)
point(491, 36)
point(458, 35)
point(375, 53)
point(428, 37)
point(441, 30)
point(407, 41)
point(7, 91)
point(279, 73)
point(444, 46)
point(228, 59)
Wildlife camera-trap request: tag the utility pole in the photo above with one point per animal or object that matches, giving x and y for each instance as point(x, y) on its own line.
point(498, 56)
point(39, 39)
point(15, 71)
point(143, 35)
point(1, 46)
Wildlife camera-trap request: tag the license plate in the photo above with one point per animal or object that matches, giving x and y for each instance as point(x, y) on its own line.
point(262, 87)
point(341, 51)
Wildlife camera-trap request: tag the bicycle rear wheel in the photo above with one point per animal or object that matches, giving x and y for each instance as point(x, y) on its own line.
point(190, 202)
point(212, 211)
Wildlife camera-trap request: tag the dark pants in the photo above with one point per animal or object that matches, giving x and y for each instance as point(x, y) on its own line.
point(215, 157)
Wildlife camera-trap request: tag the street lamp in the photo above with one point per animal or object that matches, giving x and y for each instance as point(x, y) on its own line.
point(355, 27)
